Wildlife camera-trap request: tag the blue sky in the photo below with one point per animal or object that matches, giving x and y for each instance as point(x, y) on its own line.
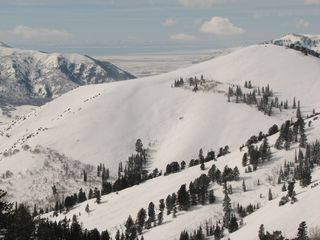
point(120, 26)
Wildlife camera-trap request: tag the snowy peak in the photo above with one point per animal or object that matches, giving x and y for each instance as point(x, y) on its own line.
point(311, 42)
point(33, 77)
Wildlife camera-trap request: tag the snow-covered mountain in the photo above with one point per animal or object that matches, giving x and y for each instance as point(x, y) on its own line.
point(311, 42)
point(101, 123)
point(33, 77)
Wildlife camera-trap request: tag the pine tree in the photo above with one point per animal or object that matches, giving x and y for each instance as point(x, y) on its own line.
point(5, 209)
point(261, 232)
point(151, 213)
point(217, 233)
point(75, 229)
point(294, 103)
point(270, 197)
point(90, 195)
point(97, 195)
point(202, 166)
point(183, 198)
point(302, 231)
point(169, 204)
point(244, 187)
point(141, 219)
point(212, 198)
point(161, 205)
point(160, 218)
point(87, 209)
point(85, 176)
point(184, 235)
point(298, 114)
point(117, 237)
point(291, 188)
point(131, 232)
point(233, 225)
point(105, 235)
point(227, 209)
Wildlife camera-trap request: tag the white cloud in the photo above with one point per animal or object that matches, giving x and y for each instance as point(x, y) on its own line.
point(169, 22)
point(40, 34)
point(221, 26)
point(301, 23)
point(182, 37)
point(312, 1)
point(199, 3)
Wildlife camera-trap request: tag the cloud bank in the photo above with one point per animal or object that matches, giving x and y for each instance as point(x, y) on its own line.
point(221, 26)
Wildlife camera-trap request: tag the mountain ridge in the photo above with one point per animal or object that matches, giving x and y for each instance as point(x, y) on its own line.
point(34, 77)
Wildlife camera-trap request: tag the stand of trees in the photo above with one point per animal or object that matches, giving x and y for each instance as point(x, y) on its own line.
point(302, 233)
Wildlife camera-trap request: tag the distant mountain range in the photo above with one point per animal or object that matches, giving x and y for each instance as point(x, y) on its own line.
point(34, 77)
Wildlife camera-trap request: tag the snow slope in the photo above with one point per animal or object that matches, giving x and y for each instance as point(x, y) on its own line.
point(100, 123)
point(34, 77)
point(116, 207)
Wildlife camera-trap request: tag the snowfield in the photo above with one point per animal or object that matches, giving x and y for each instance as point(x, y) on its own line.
point(114, 209)
point(101, 123)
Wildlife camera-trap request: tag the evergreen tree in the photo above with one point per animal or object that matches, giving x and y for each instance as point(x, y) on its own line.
point(5, 210)
point(291, 188)
point(184, 235)
point(244, 187)
point(298, 114)
point(90, 195)
point(169, 204)
point(160, 218)
point(131, 232)
point(270, 197)
point(75, 229)
point(105, 235)
point(233, 225)
point(97, 195)
point(212, 198)
point(141, 219)
point(117, 237)
point(183, 198)
point(161, 205)
point(226, 209)
point(151, 213)
point(302, 231)
point(217, 233)
point(294, 103)
point(87, 209)
point(85, 178)
point(20, 224)
point(261, 232)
